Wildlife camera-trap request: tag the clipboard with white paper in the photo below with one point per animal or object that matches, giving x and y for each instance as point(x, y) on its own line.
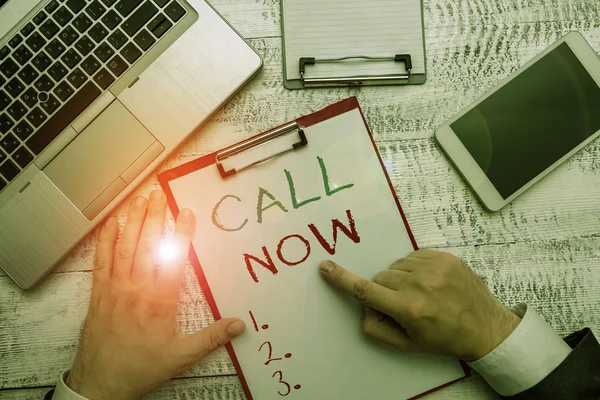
point(352, 43)
point(268, 211)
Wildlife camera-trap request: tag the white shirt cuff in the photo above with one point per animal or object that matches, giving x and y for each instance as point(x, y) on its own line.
point(531, 352)
point(63, 392)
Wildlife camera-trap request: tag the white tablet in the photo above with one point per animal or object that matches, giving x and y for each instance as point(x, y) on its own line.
point(516, 133)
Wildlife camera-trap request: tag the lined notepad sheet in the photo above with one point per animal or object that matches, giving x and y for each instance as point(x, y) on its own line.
point(340, 28)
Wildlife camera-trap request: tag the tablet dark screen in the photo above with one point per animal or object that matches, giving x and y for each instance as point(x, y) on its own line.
point(533, 121)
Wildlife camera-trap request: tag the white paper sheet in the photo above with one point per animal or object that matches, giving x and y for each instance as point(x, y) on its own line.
point(314, 333)
point(339, 28)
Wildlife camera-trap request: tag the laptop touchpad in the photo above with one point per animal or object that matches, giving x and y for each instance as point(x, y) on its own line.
point(98, 156)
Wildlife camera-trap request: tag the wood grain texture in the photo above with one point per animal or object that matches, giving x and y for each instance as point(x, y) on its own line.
point(543, 249)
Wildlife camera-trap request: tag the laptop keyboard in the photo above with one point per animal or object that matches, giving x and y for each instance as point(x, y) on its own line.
point(62, 60)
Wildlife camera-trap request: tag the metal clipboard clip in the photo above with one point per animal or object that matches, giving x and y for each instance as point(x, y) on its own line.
point(256, 142)
point(389, 79)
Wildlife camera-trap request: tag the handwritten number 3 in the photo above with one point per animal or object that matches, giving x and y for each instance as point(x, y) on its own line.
point(270, 353)
point(287, 385)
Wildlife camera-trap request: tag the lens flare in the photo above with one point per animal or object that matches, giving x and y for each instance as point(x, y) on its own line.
point(168, 252)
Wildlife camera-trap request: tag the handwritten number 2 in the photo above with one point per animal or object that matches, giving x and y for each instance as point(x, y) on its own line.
point(270, 352)
point(287, 385)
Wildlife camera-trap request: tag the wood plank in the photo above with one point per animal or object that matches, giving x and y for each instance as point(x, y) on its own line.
point(39, 329)
point(262, 18)
point(252, 18)
point(229, 388)
point(484, 12)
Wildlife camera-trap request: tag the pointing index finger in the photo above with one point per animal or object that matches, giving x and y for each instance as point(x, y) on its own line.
point(363, 290)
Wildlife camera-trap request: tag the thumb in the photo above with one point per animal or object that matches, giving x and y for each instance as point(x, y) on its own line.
point(209, 339)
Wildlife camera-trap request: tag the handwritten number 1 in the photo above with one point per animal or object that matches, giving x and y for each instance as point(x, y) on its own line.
point(270, 352)
point(287, 385)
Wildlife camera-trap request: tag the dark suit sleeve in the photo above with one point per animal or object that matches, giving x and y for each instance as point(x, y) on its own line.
point(577, 378)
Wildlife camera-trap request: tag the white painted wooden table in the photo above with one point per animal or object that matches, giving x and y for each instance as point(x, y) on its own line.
point(543, 249)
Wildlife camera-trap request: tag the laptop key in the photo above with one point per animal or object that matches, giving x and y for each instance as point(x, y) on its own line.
point(84, 45)
point(36, 117)
point(2, 158)
point(162, 28)
point(9, 143)
point(49, 29)
point(159, 19)
point(139, 18)
point(76, 5)
point(22, 55)
point(117, 39)
point(144, 39)
point(35, 41)
point(41, 61)
point(95, 9)
point(40, 17)
point(57, 71)
point(23, 130)
point(131, 53)
point(82, 23)
point(50, 105)
point(30, 97)
point(55, 48)
point(63, 16)
point(27, 29)
point(14, 87)
point(15, 41)
point(71, 58)
point(9, 170)
point(104, 78)
point(109, 3)
point(175, 11)
point(17, 110)
point(111, 19)
point(4, 52)
point(53, 5)
point(2, 183)
point(98, 32)
point(44, 84)
point(125, 7)
point(28, 74)
point(90, 65)
point(104, 52)
point(63, 117)
point(63, 91)
point(5, 123)
point(77, 78)
point(68, 35)
point(161, 3)
point(4, 100)
point(9, 68)
point(117, 66)
point(22, 156)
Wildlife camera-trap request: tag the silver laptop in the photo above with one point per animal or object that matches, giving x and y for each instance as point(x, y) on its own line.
point(93, 95)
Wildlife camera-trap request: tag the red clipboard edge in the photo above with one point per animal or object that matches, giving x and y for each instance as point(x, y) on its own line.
point(205, 161)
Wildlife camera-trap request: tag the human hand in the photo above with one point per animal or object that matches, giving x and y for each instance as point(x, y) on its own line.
point(130, 343)
point(428, 302)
